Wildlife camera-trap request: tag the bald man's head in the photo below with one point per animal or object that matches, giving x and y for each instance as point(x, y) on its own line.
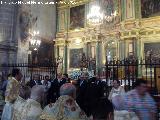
point(37, 92)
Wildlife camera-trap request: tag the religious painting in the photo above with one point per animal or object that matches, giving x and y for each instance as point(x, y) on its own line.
point(77, 17)
point(152, 50)
point(75, 57)
point(150, 8)
point(43, 55)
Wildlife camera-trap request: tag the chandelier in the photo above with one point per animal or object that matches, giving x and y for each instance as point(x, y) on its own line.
point(110, 18)
point(95, 17)
point(35, 42)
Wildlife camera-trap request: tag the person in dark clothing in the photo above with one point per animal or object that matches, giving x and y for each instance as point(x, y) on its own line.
point(81, 89)
point(92, 95)
point(53, 92)
point(103, 110)
point(36, 81)
point(4, 84)
point(65, 78)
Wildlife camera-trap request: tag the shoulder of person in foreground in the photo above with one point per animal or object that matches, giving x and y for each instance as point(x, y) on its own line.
point(18, 107)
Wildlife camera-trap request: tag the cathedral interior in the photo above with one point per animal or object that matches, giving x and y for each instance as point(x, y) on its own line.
point(79, 34)
point(107, 39)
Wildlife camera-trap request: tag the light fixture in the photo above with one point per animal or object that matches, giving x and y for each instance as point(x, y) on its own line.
point(35, 49)
point(95, 16)
point(78, 41)
point(111, 17)
point(76, 30)
point(35, 42)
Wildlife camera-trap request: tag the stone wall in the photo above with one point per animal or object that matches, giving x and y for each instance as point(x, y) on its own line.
point(8, 41)
point(45, 23)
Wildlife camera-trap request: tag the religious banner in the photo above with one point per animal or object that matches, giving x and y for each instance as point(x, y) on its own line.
point(77, 17)
point(150, 8)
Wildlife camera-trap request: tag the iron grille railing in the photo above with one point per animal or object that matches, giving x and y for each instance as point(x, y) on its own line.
point(28, 70)
point(127, 71)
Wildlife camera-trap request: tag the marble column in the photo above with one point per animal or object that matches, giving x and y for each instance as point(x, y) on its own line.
point(89, 50)
point(65, 59)
point(85, 49)
point(122, 50)
point(139, 54)
point(98, 57)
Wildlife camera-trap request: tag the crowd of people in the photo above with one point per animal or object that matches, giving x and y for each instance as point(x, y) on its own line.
point(85, 99)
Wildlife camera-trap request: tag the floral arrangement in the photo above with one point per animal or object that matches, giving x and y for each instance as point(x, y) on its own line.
point(74, 75)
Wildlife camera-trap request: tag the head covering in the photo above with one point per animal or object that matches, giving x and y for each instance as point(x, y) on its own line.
point(67, 89)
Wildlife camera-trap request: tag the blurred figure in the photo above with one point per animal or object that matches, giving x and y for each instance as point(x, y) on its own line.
point(91, 95)
point(4, 83)
point(65, 79)
point(12, 92)
point(82, 86)
point(18, 107)
point(32, 107)
point(116, 90)
point(46, 82)
point(53, 92)
point(25, 92)
point(47, 85)
point(138, 101)
point(36, 80)
point(103, 110)
point(65, 107)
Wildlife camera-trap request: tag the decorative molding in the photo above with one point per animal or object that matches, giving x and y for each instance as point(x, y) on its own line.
point(70, 4)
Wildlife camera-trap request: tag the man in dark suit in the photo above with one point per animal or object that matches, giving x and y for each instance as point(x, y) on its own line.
point(63, 79)
point(54, 89)
point(82, 83)
point(35, 81)
point(92, 94)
